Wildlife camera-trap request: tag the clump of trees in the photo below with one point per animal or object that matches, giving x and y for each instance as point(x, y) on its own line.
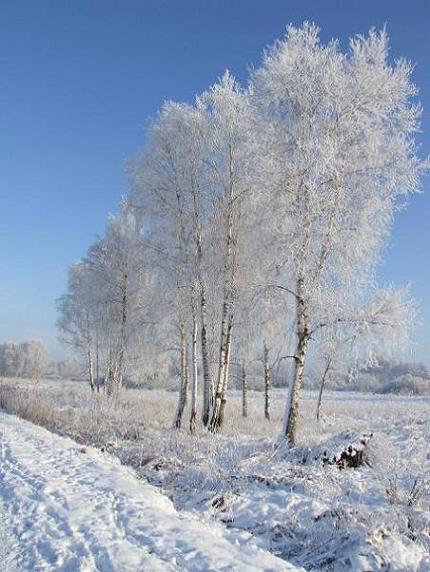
point(28, 359)
point(68, 368)
point(106, 309)
point(389, 376)
point(255, 220)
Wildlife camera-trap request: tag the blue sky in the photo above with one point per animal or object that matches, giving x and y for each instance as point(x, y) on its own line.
point(79, 80)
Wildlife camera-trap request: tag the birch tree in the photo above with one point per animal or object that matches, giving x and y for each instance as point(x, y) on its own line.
point(169, 185)
point(226, 110)
point(191, 181)
point(105, 306)
point(76, 322)
point(338, 134)
point(382, 328)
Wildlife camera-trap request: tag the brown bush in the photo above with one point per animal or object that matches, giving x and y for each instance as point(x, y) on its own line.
point(28, 405)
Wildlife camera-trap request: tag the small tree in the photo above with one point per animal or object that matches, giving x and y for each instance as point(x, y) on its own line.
point(76, 322)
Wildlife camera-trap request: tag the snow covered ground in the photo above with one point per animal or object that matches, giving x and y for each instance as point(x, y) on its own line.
point(65, 507)
point(374, 518)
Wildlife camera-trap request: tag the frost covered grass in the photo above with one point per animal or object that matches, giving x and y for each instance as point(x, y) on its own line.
point(375, 517)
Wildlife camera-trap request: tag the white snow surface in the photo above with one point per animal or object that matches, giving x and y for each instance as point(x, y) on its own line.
point(65, 507)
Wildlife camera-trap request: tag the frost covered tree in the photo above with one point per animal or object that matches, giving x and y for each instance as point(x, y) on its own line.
point(8, 359)
point(227, 110)
point(169, 186)
point(124, 297)
point(109, 299)
point(337, 130)
point(28, 359)
point(381, 328)
point(69, 368)
point(33, 359)
point(266, 211)
point(76, 321)
point(192, 181)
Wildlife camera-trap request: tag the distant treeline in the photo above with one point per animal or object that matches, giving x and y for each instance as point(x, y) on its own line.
point(385, 376)
point(31, 359)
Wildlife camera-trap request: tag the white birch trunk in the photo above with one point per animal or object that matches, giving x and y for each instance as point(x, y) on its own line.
point(244, 392)
point(217, 414)
point(90, 368)
point(267, 386)
point(226, 373)
point(108, 385)
point(97, 367)
point(118, 378)
point(213, 424)
point(193, 415)
point(207, 381)
point(323, 380)
point(295, 387)
point(183, 390)
point(208, 389)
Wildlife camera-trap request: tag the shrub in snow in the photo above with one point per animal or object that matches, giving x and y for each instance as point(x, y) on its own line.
point(345, 450)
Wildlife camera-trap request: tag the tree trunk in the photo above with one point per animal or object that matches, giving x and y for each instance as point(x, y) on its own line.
point(193, 416)
point(97, 367)
point(207, 381)
point(244, 392)
point(217, 413)
point(214, 417)
point(294, 390)
point(292, 409)
point(117, 380)
point(266, 382)
point(90, 368)
point(122, 341)
point(219, 421)
point(108, 386)
point(184, 379)
point(323, 380)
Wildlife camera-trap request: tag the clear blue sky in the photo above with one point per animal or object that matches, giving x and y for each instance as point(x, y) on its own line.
point(78, 81)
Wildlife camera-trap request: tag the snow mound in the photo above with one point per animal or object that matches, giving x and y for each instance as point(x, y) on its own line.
point(345, 450)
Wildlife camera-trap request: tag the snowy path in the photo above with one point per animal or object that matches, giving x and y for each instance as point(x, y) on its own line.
point(62, 509)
